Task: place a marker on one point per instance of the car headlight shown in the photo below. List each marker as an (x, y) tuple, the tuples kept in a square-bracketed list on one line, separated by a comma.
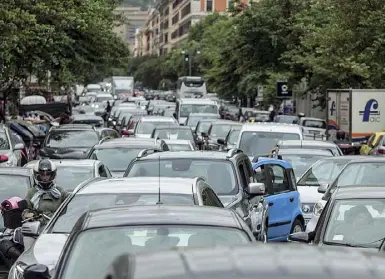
[(318, 207)]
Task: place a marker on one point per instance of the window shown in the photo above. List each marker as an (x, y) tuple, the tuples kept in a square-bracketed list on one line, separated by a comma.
[(243, 175), (102, 171), (371, 139), (186, 10), (214, 198), (175, 19), (209, 5), (279, 179)]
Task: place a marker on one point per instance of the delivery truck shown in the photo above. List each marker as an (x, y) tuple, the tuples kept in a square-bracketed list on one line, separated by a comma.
[(358, 112)]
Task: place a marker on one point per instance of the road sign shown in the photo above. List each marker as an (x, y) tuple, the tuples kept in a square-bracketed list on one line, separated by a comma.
[(283, 90)]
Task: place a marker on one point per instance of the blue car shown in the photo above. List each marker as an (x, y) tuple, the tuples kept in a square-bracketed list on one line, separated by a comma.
[(285, 214)]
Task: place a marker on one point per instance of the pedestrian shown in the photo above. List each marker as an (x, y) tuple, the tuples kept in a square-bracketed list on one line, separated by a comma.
[(2, 112), (240, 115), (272, 114)]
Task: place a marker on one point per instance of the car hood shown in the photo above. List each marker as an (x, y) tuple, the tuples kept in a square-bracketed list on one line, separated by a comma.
[(144, 136), (46, 250), (64, 153), (309, 194)]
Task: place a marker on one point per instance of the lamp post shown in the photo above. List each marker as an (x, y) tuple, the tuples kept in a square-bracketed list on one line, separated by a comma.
[(188, 57)]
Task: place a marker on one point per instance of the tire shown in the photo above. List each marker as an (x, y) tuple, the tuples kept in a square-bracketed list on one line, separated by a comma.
[(297, 226)]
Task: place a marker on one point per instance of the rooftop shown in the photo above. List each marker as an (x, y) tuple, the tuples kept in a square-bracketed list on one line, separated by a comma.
[(306, 143), (272, 127), (15, 171), (302, 151), (162, 214), (360, 192), (66, 163), (198, 155)]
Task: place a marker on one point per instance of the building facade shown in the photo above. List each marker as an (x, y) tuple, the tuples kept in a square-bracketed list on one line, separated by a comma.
[(169, 22)]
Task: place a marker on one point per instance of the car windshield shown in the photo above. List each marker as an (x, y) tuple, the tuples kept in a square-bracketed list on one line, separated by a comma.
[(233, 137), (319, 124), (13, 186), (322, 172), (64, 139), (104, 98), (186, 109), (114, 241), (218, 174), (148, 127), (357, 223), (116, 159), (203, 127), (220, 130), (4, 142), (255, 143), (179, 147), (82, 203), (302, 162), (288, 119), (69, 177), (363, 173), (174, 133)]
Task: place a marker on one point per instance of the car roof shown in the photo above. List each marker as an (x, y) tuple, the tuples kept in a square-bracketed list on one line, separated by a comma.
[(86, 117), (177, 185), (73, 127), (15, 171), (246, 261), (313, 118), (206, 155), (151, 118), (360, 192), (163, 214), (271, 127), (172, 127), (369, 159), (197, 101), (177, 141), (343, 158), (129, 143), (199, 114), (227, 122), (67, 162), (303, 151), (306, 143)]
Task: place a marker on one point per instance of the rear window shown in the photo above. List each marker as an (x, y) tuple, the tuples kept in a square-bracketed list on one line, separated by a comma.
[(64, 139)]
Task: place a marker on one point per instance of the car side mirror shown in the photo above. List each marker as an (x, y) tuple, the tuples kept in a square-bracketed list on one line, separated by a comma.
[(256, 189), (322, 188), (36, 271), (221, 141), (299, 237), (19, 146), (31, 229)]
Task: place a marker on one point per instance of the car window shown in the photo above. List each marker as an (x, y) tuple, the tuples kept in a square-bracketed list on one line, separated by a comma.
[(116, 159), (69, 177), (302, 162), (371, 139), (64, 139), (368, 173), (279, 178), (113, 134), (102, 171), (215, 201), (4, 142)]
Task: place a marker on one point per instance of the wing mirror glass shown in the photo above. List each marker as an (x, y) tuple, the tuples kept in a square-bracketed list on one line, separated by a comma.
[(322, 188), (256, 189)]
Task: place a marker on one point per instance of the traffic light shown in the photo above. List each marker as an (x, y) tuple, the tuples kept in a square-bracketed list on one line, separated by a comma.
[(186, 57)]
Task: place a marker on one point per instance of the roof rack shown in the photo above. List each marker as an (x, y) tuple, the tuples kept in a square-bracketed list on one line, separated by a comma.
[(233, 152), (146, 152)]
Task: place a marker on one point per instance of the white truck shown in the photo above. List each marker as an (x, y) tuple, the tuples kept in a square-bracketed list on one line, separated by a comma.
[(122, 86), (355, 111)]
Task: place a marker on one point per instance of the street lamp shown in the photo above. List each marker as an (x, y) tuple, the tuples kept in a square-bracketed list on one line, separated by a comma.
[(188, 58)]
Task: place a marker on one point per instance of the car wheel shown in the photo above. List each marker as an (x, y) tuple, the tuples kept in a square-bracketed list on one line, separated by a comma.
[(297, 227)]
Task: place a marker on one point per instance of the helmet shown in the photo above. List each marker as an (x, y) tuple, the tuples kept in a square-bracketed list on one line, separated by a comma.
[(340, 135), (11, 210), (10, 204), (44, 173)]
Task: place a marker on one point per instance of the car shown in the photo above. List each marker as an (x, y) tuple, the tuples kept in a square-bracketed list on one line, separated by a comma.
[(173, 133), (94, 120), (108, 133), (180, 145), (286, 119), (353, 217), (117, 154), (71, 173), (230, 175), (230, 141), (70, 141), (202, 128), (147, 124), (238, 261), (314, 183), (101, 193), (311, 144), (282, 197), (11, 155), (313, 128), (193, 119), (135, 228), (258, 138), (374, 145), (301, 159), (219, 130)]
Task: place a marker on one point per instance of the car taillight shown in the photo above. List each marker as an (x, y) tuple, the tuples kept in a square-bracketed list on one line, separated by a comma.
[(380, 151)]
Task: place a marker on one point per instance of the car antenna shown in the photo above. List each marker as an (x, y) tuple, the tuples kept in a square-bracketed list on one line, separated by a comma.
[(159, 201)]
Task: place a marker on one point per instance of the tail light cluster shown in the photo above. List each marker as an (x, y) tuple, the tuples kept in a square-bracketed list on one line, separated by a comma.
[(381, 151)]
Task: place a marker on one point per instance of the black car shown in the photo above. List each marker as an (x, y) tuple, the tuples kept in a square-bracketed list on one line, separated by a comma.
[(230, 141), (219, 130), (71, 141), (135, 228), (246, 262), (230, 175), (353, 217), (117, 154)]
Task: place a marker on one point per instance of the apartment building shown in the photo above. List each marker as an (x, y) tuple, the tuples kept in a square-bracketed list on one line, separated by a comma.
[(136, 19), (169, 22)]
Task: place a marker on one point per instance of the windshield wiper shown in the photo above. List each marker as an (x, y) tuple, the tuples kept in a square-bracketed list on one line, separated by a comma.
[(362, 245)]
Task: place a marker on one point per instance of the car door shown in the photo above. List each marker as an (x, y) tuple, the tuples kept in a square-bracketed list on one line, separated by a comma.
[(281, 201)]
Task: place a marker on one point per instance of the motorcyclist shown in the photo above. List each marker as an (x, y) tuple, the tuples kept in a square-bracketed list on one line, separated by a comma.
[(45, 197)]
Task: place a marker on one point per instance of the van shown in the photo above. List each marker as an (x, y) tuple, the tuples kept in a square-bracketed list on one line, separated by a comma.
[(186, 106)]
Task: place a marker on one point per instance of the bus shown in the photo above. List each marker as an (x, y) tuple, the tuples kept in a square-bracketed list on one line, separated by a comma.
[(191, 87), (122, 87), (186, 106)]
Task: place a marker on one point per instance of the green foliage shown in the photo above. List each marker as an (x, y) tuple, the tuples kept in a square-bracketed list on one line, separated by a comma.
[(72, 39), (314, 44)]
